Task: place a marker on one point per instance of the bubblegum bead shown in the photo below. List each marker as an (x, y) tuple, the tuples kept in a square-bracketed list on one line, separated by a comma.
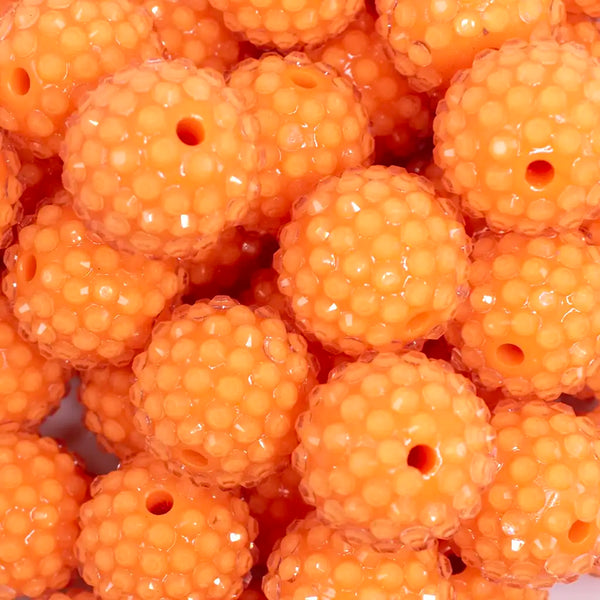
[(539, 522), (532, 318), (516, 137), (218, 391), (11, 189), (161, 159), (372, 260), (104, 391), (53, 53), (395, 448), (431, 41), (315, 561), (147, 533), (79, 299), (284, 24), (312, 125), (41, 489)]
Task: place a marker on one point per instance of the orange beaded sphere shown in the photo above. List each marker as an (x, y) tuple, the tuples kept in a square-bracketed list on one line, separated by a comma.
[(147, 533), (533, 315), (395, 447), (11, 189), (315, 561), (41, 489), (52, 53), (161, 159), (400, 118), (104, 391), (275, 503), (589, 7), (539, 523), (31, 386), (285, 25), (372, 260), (79, 299), (312, 125), (193, 29), (431, 41), (218, 391), (516, 137)]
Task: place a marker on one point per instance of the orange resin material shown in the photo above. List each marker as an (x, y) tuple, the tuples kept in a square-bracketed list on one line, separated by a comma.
[(588, 7), (72, 594), (161, 159), (52, 53), (400, 118), (532, 318), (79, 299), (431, 41), (396, 447), (275, 503), (539, 520), (373, 260), (41, 490), (147, 533), (582, 30), (104, 391), (193, 29), (516, 137), (218, 391), (285, 24), (11, 189), (315, 561), (31, 386), (312, 125)]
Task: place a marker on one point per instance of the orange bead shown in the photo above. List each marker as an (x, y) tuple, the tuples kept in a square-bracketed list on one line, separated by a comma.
[(539, 521), (315, 561), (372, 260), (161, 159), (41, 489), (218, 391), (31, 386), (589, 7), (52, 53), (74, 593), (582, 30), (400, 118), (78, 298), (516, 137), (104, 391), (147, 533), (431, 41), (286, 24), (395, 448), (312, 125), (11, 188), (533, 315)]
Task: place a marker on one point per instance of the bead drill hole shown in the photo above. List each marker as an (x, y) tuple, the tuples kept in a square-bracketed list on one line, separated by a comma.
[(456, 563), (194, 459), (159, 502), (579, 532), (19, 82), (28, 267), (190, 131), (539, 174), (422, 457), (304, 79), (510, 355)]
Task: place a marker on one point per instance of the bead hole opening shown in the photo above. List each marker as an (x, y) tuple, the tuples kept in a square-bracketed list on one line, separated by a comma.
[(190, 131), (28, 267), (456, 563), (579, 532), (194, 459), (159, 502), (304, 79), (19, 82), (510, 355), (539, 174), (422, 458)]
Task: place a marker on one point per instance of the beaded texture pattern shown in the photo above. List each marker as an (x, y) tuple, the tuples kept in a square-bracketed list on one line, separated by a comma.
[(11, 189)]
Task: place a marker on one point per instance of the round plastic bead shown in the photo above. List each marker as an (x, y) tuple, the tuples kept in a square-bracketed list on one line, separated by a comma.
[(431, 41), (395, 447), (312, 125), (539, 523), (104, 391), (218, 391), (515, 136), (373, 260), (533, 315), (79, 299), (147, 533), (52, 53), (161, 159), (41, 489), (314, 560)]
